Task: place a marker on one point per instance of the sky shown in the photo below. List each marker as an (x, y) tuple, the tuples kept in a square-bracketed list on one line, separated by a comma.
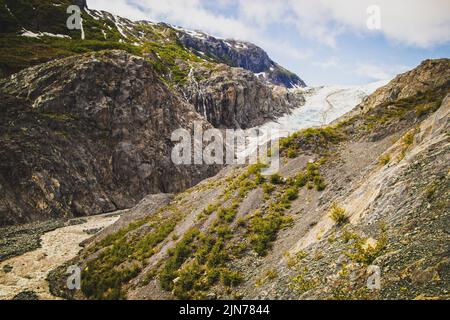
[(325, 42)]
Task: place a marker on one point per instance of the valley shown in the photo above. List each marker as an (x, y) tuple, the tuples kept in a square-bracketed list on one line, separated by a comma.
[(357, 209)]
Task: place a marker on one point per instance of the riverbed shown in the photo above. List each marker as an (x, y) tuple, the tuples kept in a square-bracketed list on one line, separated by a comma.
[(28, 272)]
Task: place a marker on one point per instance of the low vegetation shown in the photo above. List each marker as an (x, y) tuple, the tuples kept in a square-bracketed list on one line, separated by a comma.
[(301, 284), (311, 178), (339, 215), (385, 159), (406, 143), (123, 256), (315, 139)]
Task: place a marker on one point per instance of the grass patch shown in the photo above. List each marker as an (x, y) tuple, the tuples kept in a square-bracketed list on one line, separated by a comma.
[(385, 159), (339, 215), (123, 257), (316, 139), (311, 178)]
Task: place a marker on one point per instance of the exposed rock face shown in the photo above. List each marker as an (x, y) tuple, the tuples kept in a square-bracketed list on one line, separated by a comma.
[(240, 54), (235, 98), (87, 135)]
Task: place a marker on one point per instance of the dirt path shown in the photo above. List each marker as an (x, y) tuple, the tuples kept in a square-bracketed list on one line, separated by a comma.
[(28, 272)]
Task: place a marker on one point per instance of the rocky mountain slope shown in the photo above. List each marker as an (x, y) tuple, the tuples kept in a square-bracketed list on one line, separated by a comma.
[(368, 193), (87, 114), (89, 134)]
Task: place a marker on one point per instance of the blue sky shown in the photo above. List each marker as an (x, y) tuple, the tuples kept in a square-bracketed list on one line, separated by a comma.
[(323, 41)]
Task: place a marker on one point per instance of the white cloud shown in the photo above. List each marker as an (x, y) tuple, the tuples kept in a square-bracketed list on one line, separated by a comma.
[(377, 72), (332, 62)]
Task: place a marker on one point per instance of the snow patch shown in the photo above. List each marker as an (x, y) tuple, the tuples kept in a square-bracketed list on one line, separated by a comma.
[(89, 12), (119, 26), (82, 29), (31, 34)]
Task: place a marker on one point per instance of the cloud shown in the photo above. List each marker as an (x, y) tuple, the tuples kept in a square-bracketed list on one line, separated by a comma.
[(377, 72), (332, 62)]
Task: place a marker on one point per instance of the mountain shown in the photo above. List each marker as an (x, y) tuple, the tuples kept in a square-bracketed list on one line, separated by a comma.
[(368, 193), (86, 115), (239, 54), (47, 19)]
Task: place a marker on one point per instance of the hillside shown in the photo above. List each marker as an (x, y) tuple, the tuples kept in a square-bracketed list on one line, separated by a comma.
[(369, 190), (86, 115)]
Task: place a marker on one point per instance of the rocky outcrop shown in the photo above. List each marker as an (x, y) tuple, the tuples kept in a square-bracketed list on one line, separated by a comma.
[(239, 54), (235, 98), (87, 135), (430, 76)]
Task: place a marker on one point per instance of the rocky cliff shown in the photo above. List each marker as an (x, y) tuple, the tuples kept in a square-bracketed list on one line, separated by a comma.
[(358, 211), (235, 98), (29, 37), (88, 134)]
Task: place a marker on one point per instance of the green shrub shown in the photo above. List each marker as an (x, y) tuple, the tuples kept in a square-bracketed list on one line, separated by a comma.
[(276, 179), (230, 278), (366, 254), (210, 209), (384, 160), (268, 188), (300, 284), (292, 153), (339, 215), (319, 183), (292, 194), (312, 138), (263, 229), (301, 180), (260, 179), (227, 215), (310, 178), (177, 257), (217, 257)]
